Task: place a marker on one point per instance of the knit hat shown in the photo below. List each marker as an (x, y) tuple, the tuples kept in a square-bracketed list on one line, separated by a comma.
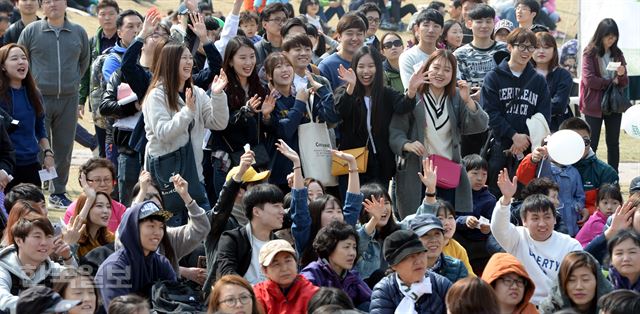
[(401, 244)]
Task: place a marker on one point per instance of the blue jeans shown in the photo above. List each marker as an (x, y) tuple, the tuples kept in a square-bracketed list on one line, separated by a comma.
[(330, 12), (128, 172)]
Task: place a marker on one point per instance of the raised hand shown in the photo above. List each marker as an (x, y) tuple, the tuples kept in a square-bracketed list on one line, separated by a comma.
[(254, 102), (429, 175), (198, 26), (219, 83), (88, 191), (245, 163), (415, 147), (145, 180), (150, 22), (621, 219), (73, 231), (344, 156), (347, 75), (507, 186), (269, 104), (314, 84), (180, 184), (190, 100), (285, 150), (417, 79), (375, 207)]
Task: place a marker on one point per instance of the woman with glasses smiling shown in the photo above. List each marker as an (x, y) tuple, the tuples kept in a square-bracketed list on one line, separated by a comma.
[(511, 284), (233, 294), (98, 174)]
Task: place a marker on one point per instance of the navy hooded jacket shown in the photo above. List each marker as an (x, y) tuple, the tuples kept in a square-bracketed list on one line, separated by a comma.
[(127, 270), (507, 117)]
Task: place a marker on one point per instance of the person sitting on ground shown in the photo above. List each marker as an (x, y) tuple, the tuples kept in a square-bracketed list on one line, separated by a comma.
[(431, 233), (39, 299), (100, 175), (471, 295), (624, 271), (136, 266), (620, 302), (127, 304), (27, 263), (284, 291), (579, 285), (536, 244), (337, 249), (233, 294), (609, 198), (411, 288), (511, 284)]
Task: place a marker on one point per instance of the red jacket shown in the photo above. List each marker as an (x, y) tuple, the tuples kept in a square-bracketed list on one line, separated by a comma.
[(274, 301), (592, 85)]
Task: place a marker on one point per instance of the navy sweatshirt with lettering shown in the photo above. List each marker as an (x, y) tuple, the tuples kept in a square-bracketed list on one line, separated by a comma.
[(510, 100)]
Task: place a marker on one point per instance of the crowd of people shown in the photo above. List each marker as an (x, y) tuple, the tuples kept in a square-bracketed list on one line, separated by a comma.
[(433, 190)]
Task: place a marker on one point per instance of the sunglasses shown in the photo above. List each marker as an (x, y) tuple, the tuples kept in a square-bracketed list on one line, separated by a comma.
[(587, 141), (395, 43)]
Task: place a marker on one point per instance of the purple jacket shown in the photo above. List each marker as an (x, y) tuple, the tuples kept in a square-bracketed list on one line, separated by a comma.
[(322, 275)]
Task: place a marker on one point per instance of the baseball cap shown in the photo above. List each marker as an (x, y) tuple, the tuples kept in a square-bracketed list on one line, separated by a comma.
[(149, 208), (421, 224), (272, 248), (250, 175), (503, 24), (41, 299), (401, 244)]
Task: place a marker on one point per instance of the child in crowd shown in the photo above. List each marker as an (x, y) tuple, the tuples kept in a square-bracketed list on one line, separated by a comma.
[(249, 24), (472, 232), (609, 198)]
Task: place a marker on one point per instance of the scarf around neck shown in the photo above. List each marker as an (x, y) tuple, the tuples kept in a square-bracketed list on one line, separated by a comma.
[(411, 294)]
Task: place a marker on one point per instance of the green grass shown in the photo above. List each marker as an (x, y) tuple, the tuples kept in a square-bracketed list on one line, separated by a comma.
[(629, 147)]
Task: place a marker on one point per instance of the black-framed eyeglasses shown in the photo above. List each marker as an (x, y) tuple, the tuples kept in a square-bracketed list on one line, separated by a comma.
[(524, 48), (395, 43), (243, 299), (520, 283), (373, 20)]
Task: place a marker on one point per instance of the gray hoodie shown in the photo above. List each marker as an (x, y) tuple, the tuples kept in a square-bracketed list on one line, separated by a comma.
[(10, 264), (59, 57)]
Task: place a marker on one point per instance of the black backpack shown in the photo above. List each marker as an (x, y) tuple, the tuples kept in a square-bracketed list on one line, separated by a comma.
[(169, 297)]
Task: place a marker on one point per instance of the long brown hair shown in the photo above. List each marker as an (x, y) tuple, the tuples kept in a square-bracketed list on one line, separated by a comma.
[(19, 210), (214, 298), (166, 74), (103, 233), (450, 89), (573, 261), (28, 82)]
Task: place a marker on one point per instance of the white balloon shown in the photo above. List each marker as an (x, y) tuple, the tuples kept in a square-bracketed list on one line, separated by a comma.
[(631, 121), (565, 147)]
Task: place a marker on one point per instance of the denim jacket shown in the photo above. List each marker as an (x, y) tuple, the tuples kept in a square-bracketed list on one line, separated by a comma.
[(301, 226)]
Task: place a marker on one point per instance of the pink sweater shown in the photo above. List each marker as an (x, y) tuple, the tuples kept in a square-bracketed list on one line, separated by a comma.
[(592, 228), (117, 210)]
